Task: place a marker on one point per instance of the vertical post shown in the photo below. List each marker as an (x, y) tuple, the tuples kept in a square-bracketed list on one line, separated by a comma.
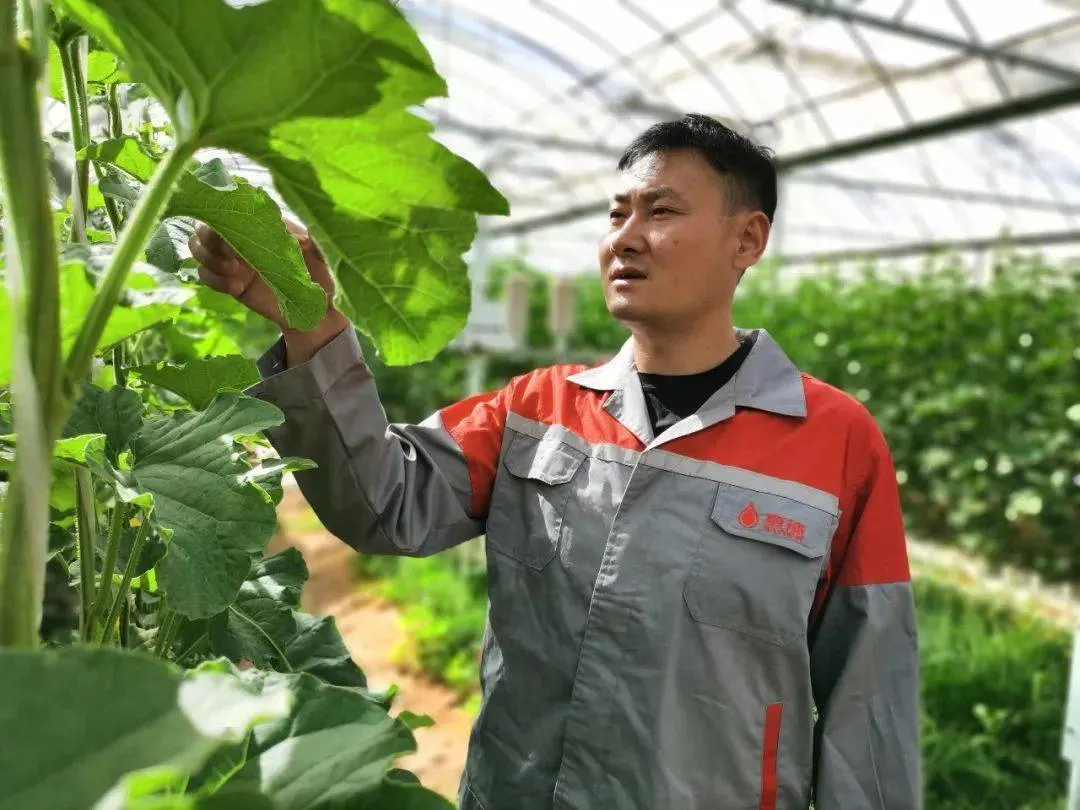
[(1070, 742), (562, 293), (476, 372)]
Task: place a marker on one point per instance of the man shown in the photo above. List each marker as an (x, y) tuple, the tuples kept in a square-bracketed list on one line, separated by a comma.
[(693, 550)]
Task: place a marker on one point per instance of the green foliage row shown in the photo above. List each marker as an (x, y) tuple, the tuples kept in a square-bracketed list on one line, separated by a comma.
[(993, 679), (977, 388), (994, 684)]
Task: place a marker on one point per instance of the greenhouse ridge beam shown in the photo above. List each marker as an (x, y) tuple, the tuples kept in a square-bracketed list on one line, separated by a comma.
[(937, 193), (908, 249), (950, 124), (968, 119), (831, 9)]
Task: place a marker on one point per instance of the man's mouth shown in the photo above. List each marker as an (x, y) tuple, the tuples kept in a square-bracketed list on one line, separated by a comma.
[(626, 273)]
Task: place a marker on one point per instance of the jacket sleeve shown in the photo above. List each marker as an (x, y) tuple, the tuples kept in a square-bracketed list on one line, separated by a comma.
[(864, 653), (382, 488)]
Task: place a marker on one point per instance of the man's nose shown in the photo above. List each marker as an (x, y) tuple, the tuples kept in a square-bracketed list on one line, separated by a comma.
[(629, 238)]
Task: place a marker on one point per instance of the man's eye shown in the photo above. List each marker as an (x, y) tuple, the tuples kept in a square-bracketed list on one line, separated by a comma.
[(616, 215), (663, 210)]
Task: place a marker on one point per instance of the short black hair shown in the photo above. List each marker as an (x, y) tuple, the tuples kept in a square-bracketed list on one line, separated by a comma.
[(745, 165)]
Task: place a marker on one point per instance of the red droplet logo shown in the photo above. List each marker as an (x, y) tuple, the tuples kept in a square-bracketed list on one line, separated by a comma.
[(749, 516)]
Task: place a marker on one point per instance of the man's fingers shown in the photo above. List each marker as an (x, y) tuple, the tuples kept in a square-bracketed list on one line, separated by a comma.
[(212, 242), (228, 284), (225, 265)]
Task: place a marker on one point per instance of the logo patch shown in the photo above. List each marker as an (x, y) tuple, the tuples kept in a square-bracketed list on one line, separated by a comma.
[(780, 525), (748, 517)]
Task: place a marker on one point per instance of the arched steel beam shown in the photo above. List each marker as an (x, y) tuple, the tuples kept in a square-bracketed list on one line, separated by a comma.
[(624, 61), (1041, 239), (938, 127), (421, 15), (580, 84), (947, 125), (824, 8), (691, 58), (933, 192)]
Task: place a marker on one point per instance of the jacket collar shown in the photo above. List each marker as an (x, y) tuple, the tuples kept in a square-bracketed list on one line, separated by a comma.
[(766, 381)]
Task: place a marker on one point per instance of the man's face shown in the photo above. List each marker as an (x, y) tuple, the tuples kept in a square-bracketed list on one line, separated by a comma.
[(672, 254)]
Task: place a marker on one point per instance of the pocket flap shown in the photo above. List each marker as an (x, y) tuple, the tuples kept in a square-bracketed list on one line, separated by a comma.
[(774, 519), (547, 460)]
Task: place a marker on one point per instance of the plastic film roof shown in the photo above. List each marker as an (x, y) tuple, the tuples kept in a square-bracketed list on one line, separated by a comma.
[(897, 124)]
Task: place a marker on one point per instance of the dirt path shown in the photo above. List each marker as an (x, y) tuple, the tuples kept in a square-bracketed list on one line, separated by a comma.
[(371, 628)]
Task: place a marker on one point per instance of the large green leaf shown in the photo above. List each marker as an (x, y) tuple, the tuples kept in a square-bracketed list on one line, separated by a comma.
[(336, 746), (262, 627), (401, 795), (319, 649), (245, 216), (127, 153), (76, 295), (250, 221), (167, 248), (157, 789), (78, 720), (258, 624), (319, 92), (199, 381), (218, 522), (195, 482), (117, 413), (71, 449)]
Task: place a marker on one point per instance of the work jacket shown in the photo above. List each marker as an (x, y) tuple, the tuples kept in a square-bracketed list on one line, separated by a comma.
[(717, 617)]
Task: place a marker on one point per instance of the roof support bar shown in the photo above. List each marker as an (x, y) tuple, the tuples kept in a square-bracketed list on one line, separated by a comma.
[(827, 8), (1023, 106), (947, 125), (933, 192), (1046, 238)]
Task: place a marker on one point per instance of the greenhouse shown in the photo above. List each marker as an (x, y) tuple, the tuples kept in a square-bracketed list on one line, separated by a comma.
[(373, 438)]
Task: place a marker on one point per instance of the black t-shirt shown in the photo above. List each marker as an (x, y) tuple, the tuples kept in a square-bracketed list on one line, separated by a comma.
[(672, 397)]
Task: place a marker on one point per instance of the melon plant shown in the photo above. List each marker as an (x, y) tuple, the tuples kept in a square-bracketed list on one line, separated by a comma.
[(167, 663)]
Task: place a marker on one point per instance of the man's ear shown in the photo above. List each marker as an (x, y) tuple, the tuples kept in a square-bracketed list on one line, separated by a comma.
[(753, 239)]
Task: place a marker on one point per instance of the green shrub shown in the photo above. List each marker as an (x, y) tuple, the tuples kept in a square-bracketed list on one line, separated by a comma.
[(994, 687)]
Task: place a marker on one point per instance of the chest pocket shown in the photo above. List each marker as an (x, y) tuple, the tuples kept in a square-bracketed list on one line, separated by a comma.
[(758, 564), (525, 519)]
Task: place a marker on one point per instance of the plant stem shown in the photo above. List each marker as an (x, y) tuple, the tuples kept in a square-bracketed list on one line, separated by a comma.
[(33, 278), (103, 599), (129, 574), (71, 58), (116, 121), (86, 526), (118, 365), (133, 240), (116, 130), (166, 632), (124, 631)]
